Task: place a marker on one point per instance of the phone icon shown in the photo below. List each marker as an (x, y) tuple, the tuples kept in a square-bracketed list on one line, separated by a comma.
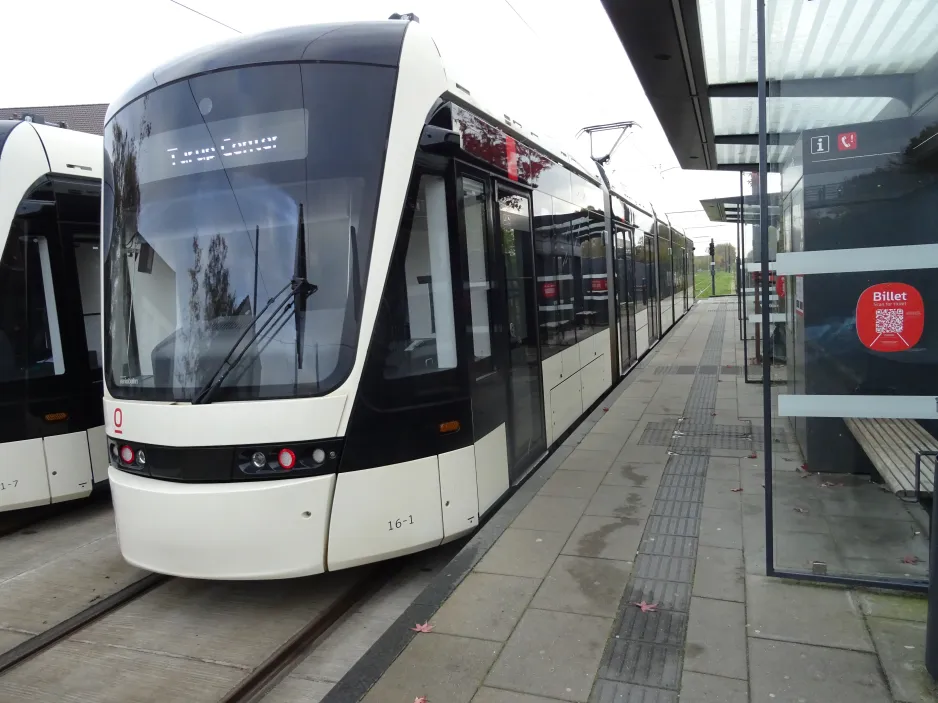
[(847, 141)]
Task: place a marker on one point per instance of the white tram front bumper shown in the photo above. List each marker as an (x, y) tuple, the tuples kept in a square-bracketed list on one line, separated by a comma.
[(228, 531)]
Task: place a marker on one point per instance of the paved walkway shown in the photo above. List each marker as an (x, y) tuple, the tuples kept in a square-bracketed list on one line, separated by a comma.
[(642, 504)]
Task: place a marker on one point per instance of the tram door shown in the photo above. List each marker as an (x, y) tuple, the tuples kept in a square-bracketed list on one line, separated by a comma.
[(505, 369), (651, 276), (625, 299)]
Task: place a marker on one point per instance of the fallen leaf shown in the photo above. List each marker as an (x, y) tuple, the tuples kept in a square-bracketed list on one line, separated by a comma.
[(829, 484), (712, 413), (910, 560), (736, 490), (647, 607), (420, 699), (605, 410), (426, 627), (801, 510), (753, 456), (804, 467)]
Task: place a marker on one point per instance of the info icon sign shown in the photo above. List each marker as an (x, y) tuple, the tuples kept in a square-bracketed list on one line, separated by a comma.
[(890, 317)]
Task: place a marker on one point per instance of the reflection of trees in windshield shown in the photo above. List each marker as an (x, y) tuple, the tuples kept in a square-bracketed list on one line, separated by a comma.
[(217, 301)]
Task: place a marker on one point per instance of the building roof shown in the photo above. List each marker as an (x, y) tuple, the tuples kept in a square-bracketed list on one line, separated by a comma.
[(830, 62), (81, 118)]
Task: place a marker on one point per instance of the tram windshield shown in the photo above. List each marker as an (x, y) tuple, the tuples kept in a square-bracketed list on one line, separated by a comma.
[(216, 188)]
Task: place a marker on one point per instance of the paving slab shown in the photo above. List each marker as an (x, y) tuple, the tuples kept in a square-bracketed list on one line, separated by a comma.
[(718, 493), (716, 638), (704, 688), (298, 690), (583, 585), (585, 459), (622, 501), (896, 607), (789, 672), (94, 673), (797, 612), (900, 645), (523, 553), (244, 622), (552, 654), (572, 484), (486, 606), (604, 441), (35, 600), (497, 695), (9, 639), (720, 574), (721, 528), (440, 667), (551, 513), (605, 537), (629, 473)]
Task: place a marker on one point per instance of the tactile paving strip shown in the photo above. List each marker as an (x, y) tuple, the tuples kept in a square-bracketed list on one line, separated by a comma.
[(644, 657)]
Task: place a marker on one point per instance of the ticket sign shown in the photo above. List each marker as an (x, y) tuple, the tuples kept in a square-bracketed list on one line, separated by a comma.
[(549, 290), (890, 317)]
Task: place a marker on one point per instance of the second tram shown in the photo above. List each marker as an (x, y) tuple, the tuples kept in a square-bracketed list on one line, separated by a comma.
[(346, 308), (52, 441)]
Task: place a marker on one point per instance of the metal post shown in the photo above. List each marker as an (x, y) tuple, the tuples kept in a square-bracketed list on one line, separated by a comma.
[(764, 238), (713, 270), (740, 254)]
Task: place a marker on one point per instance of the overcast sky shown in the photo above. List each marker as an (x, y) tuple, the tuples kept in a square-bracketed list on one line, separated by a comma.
[(553, 66)]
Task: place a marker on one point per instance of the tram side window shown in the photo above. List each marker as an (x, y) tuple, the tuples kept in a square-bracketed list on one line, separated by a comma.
[(422, 333), (553, 263), (473, 209), (29, 346), (88, 260)]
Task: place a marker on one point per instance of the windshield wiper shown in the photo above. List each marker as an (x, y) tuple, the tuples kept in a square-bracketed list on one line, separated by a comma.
[(299, 288)]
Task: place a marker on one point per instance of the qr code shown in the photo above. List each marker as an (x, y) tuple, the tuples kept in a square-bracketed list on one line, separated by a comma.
[(890, 320)]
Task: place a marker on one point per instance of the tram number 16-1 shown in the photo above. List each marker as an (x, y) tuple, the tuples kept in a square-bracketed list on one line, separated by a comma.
[(399, 523)]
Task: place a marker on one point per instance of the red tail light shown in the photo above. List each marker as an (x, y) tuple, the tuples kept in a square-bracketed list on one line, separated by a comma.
[(127, 454), (287, 459)]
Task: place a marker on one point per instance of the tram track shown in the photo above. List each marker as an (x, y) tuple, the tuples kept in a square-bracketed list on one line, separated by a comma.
[(339, 600)]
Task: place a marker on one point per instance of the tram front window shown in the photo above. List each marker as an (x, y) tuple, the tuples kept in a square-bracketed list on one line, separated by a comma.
[(204, 185)]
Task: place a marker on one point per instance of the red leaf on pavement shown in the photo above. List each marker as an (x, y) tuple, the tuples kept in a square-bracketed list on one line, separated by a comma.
[(426, 627), (647, 607), (910, 560), (605, 410), (736, 490), (804, 467), (753, 456), (420, 699)]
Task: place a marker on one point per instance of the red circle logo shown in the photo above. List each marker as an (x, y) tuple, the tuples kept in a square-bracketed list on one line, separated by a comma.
[(890, 317)]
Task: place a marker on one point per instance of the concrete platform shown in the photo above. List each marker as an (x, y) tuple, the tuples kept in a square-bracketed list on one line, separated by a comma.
[(642, 503)]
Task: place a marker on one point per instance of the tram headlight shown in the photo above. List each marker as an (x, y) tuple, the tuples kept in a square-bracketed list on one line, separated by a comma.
[(259, 459), (319, 456), (141, 457)]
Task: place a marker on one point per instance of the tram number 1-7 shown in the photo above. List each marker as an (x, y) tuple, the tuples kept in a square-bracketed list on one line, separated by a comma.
[(399, 523), (9, 484)]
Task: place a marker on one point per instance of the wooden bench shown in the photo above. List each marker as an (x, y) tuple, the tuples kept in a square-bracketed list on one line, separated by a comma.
[(901, 451)]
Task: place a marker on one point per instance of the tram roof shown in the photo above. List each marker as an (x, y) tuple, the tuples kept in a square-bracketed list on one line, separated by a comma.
[(320, 42), (829, 62)]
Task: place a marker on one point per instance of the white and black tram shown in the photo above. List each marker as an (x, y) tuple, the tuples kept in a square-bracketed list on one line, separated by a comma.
[(345, 308), (52, 443)]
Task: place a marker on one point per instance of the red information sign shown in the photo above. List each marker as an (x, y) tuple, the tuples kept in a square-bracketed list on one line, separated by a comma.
[(599, 284), (890, 317), (847, 141), (549, 290), (780, 286)]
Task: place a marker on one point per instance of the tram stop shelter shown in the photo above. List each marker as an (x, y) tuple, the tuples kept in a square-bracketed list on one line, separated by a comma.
[(844, 96)]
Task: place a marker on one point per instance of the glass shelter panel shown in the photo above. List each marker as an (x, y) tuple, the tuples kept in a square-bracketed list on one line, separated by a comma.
[(853, 248)]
